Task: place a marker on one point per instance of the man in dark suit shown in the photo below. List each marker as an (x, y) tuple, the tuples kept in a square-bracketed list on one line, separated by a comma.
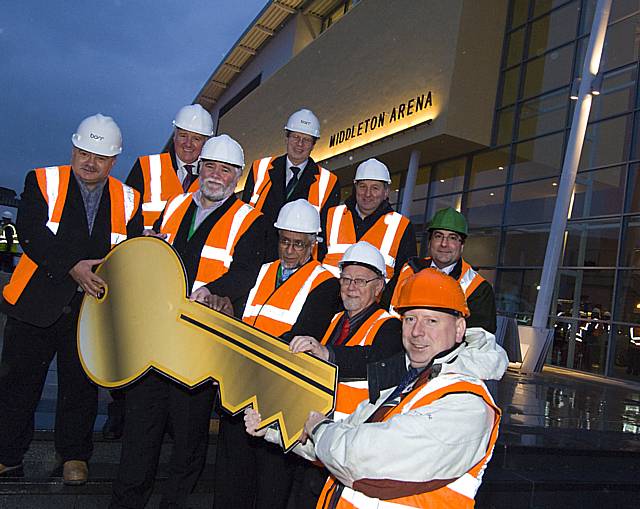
[(69, 218), (274, 181)]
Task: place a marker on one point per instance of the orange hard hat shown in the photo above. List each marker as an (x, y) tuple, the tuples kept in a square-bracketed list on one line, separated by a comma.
[(432, 289)]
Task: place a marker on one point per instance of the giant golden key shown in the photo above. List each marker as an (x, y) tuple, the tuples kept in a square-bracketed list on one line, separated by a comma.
[(144, 320)]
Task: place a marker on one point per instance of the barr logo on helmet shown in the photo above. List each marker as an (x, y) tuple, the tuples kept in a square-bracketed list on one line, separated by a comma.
[(96, 136)]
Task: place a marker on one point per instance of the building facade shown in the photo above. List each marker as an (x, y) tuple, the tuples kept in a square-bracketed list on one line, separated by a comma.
[(478, 93)]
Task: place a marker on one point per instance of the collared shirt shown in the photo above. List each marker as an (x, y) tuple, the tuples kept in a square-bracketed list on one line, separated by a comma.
[(447, 270), (289, 174), (287, 273), (182, 172), (91, 199), (203, 212)]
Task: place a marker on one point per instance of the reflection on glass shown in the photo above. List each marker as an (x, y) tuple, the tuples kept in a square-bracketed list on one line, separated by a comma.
[(515, 46), (606, 142), (511, 79), (532, 202), (489, 168), (525, 246), (598, 193), (504, 131), (591, 244), (621, 45), (481, 247), (617, 94), (517, 292), (550, 71), (633, 191), (448, 176), (631, 243), (626, 361), (484, 208), (519, 12), (628, 297), (544, 114), (553, 29), (541, 157)]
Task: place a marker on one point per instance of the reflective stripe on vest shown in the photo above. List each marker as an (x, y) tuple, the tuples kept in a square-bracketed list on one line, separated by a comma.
[(155, 202), (350, 394), (217, 252), (276, 310), (341, 234), (457, 494), (258, 178), (53, 183)]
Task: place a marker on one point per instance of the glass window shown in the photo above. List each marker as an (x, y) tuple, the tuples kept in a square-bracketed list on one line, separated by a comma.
[(622, 44), (543, 114), (422, 182), (617, 94), (510, 81), (598, 193), (628, 297), (519, 12), (517, 292), (635, 149), (397, 182), (606, 142), (448, 176), (416, 212), (541, 157), (554, 29), (541, 6), (525, 246), (489, 168), (550, 71), (626, 361), (481, 247), (633, 192), (484, 207), (631, 243), (441, 202), (504, 133), (515, 47), (622, 8), (532, 202), (591, 244), (584, 290)]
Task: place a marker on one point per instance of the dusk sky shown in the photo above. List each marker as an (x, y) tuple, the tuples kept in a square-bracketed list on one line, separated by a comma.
[(138, 61)]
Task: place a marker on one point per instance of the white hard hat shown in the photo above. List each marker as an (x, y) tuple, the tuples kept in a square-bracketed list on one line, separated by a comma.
[(298, 216), (99, 135), (363, 253), (223, 148), (372, 169), (194, 118), (304, 121), (7, 215)]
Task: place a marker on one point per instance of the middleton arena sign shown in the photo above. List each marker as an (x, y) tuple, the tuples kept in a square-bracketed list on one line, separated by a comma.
[(382, 119)]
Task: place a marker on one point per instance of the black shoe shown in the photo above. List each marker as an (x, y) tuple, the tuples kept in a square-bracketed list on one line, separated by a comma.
[(113, 427)]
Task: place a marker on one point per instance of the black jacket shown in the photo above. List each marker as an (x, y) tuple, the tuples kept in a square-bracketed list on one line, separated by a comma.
[(276, 197), (51, 288), (247, 256)]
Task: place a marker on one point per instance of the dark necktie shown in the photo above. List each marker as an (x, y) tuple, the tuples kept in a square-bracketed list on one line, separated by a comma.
[(292, 183), (344, 332), (378, 416), (188, 178)]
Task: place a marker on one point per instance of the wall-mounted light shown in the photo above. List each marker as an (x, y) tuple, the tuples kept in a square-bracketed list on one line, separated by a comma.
[(575, 89), (596, 84)]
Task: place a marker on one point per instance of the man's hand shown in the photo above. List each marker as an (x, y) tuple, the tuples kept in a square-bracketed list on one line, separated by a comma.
[(252, 420), (83, 275), (216, 302), (313, 420), (311, 345), (152, 233)]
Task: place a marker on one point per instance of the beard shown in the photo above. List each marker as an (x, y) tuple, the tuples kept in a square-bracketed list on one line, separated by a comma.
[(221, 194)]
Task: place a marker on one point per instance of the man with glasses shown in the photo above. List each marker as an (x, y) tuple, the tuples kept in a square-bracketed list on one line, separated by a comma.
[(274, 181), (448, 231), (293, 295)]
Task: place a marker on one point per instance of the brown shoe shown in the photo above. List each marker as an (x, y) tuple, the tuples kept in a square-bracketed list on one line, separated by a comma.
[(75, 472), (11, 471)]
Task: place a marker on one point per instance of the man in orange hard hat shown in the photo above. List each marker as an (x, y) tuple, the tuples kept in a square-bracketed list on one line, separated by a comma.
[(426, 441)]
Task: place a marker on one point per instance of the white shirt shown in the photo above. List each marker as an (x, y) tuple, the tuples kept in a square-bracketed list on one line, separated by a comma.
[(447, 270), (289, 174), (181, 171)]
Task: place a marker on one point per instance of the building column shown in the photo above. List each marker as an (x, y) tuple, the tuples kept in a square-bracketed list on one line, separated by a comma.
[(410, 182)]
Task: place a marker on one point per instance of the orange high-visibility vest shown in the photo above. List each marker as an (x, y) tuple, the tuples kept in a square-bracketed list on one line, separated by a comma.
[(275, 310), (350, 394), (385, 234), (458, 494), (53, 183), (217, 253), (318, 192), (469, 280), (161, 182)]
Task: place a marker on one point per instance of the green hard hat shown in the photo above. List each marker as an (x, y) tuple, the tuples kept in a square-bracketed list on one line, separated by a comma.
[(449, 219)]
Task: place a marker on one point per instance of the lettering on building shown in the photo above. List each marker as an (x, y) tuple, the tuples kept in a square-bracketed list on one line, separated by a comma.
[(376, 121)]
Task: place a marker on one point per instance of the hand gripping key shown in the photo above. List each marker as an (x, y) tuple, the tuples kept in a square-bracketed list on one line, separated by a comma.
[(144, 320)]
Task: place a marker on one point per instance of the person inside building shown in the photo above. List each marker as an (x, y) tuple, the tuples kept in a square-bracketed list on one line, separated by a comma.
[(159, 177), (448, 232), (274, 181), (69, 218), (427, 441), (219, 239), (367, 215), (8, 242), (361, 334), (292, 296)]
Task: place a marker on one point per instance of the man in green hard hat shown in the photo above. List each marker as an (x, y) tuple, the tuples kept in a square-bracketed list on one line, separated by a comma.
[(448, 231)]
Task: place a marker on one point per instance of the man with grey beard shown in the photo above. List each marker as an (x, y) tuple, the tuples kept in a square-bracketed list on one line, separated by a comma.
[(220, 240)]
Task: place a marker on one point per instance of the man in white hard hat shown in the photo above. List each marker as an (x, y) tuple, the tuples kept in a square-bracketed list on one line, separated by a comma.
[(219, 239), (8, 242), (367, 215), (293, 295), (361, 334), (274, 181), (157, 178), (69, 218)]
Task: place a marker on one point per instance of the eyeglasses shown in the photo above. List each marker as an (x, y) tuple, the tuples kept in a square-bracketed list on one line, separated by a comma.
[(358, 282), (298, 245), (299, 139), (452, 237)]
